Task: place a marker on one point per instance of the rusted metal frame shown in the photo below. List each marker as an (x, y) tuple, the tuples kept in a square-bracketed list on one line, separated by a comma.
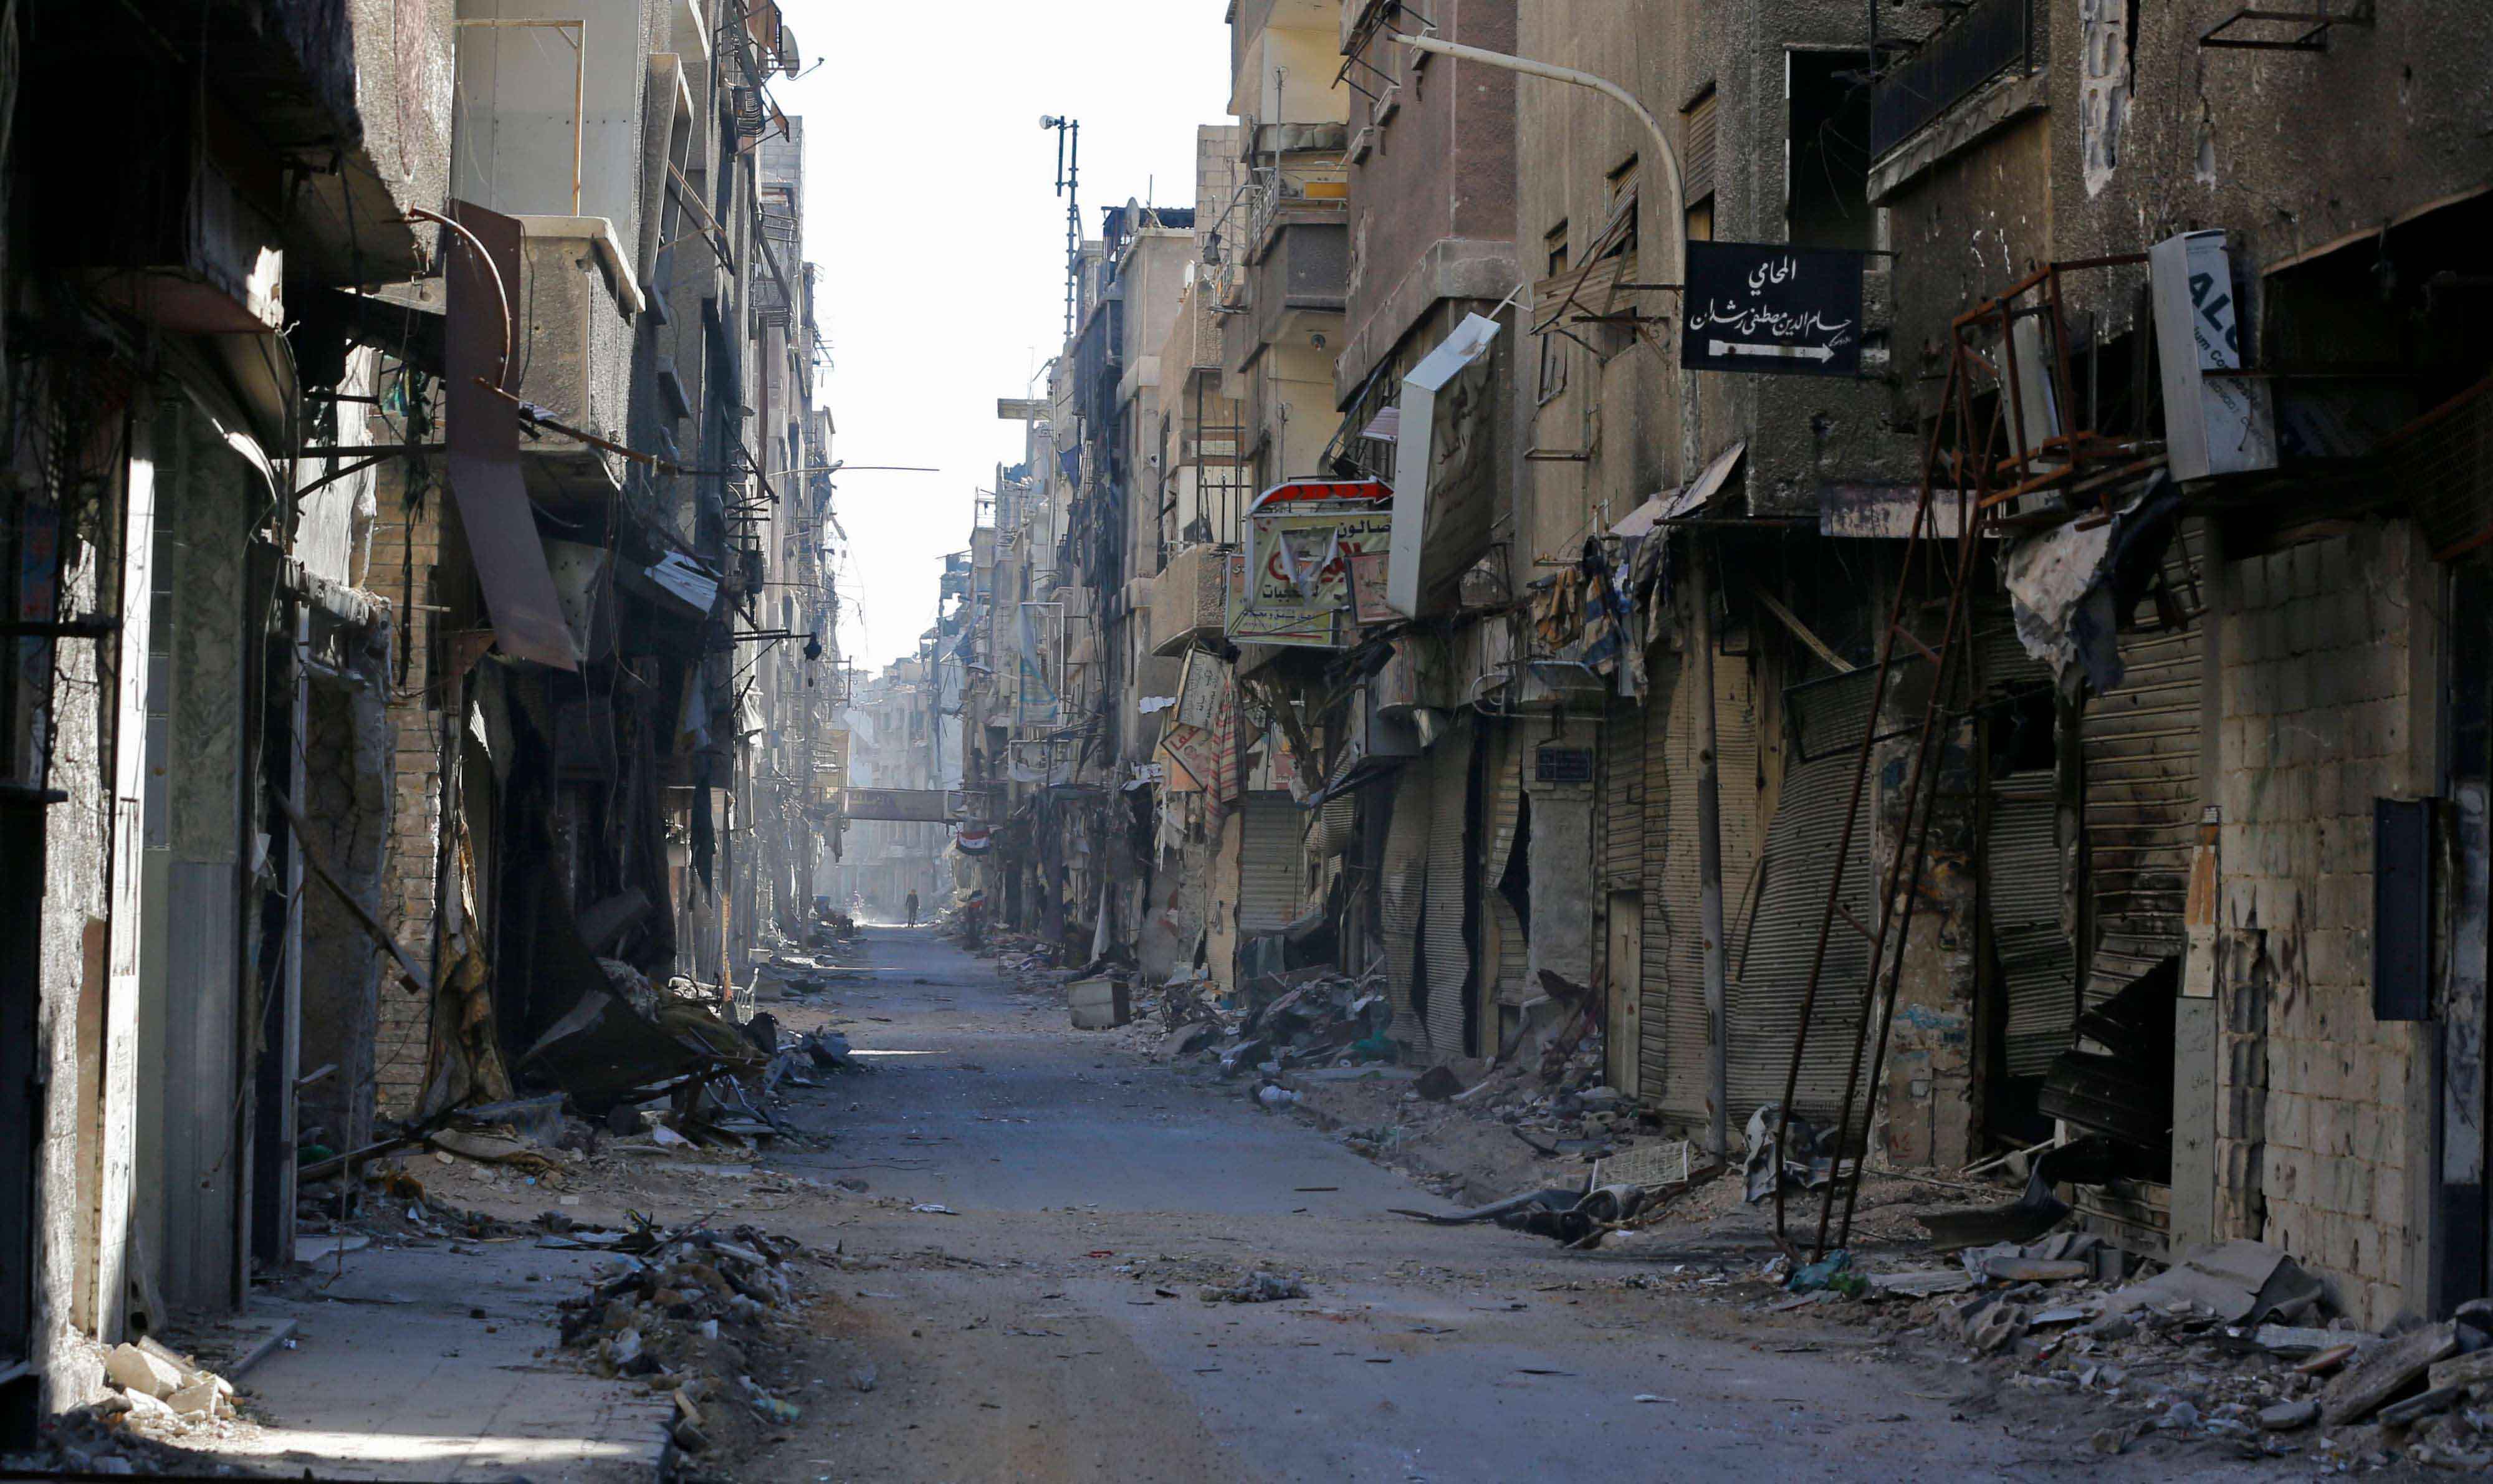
[(2068, 381), (1860, 783), (1915, 834), (1921, 802)]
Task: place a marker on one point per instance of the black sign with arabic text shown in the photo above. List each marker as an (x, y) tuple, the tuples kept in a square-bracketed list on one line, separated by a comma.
[(1764, 307)]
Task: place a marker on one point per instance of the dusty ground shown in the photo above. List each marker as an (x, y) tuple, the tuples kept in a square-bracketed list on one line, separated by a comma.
[(1049, 1322)]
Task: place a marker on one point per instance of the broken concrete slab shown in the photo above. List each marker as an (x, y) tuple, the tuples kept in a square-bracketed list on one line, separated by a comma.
[(2387, 1370), (2239, 1281), (2438, 1399), (2287, 1417), (199, 1400), (2035, 1270), (2469, 1370), (141, 1373), (1921, 1284), (2300, 1339)]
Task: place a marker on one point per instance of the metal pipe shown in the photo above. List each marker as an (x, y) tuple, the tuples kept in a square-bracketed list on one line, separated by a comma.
[(1709, 870), (502, 291)]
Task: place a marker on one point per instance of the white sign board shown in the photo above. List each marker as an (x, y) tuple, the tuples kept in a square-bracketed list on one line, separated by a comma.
[(1420, 449)]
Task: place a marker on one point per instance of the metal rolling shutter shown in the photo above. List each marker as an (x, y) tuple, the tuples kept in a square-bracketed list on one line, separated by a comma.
[(2024, 873), (1336, 818), (2142, 746), (1515, 987), (1269, 868), (1502, 803), (1400, 891), (1620, 808), (1449, 953), (1776, 945), (1502, 799), (2022, 887), (1673, 1060)]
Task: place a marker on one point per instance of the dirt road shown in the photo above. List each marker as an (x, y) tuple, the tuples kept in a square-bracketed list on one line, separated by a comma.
[(1048, 1321)]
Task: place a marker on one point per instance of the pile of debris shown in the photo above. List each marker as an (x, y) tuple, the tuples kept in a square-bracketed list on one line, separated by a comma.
[(115, 1437), (687, 1312), (1301, 1017), (158, 1399), (2231, 1342)]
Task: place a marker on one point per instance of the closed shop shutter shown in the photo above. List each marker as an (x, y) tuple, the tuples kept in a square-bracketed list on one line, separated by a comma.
[(1619, 812), (1336, 817), (1268, 864), (1771, 966), (2024, 873), (1502, 797), (2022, 887), (1505, 951), (1401, 891), (1449, 951), (1513, 984), (2143, 797), (1673, 1064)]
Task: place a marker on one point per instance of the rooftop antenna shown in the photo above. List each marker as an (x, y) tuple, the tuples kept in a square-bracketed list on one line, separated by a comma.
[(1069, 176)]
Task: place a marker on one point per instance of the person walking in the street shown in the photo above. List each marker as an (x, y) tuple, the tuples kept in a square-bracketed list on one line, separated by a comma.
[(913, 906)]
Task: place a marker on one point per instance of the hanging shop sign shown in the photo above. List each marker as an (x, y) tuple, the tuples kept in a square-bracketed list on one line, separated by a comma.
[(1765, 307), (1292, 585)]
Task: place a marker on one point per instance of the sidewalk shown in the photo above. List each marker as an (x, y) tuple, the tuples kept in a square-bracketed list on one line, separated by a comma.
[(442, 1364)]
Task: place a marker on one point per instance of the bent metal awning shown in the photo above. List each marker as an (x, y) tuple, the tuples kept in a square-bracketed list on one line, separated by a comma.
[(481, 266)]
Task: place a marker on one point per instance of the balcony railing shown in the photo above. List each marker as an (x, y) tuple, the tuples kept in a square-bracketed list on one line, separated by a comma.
[(1980, 43)]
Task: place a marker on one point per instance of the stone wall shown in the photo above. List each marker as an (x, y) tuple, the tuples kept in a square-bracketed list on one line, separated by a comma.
[(405, 545), (2319, 1125)]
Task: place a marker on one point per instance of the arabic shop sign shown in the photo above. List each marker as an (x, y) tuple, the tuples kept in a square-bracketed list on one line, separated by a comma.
[(1763, 307), (1293, 585)]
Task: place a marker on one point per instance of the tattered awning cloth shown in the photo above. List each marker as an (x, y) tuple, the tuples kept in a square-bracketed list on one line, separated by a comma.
[(2072, 587)]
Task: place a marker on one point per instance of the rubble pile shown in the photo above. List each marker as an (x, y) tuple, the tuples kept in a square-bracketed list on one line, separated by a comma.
[(2229, 1344), (116, 1437), (158, 1399), (688, 1312)]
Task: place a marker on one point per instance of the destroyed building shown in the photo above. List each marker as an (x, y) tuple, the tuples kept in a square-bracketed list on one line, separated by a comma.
[(1922, 556), (419, 633)]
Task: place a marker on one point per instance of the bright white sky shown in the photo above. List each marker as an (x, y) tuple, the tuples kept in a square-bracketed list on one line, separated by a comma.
[(930, 205)]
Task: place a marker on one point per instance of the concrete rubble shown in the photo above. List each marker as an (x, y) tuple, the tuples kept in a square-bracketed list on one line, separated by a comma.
[(685, 1313)]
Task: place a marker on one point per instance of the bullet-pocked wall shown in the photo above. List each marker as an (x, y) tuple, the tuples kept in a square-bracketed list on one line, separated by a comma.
[(2330, 673)]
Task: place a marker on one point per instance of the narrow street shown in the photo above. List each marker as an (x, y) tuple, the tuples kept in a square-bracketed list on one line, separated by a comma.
[(1053, 1325), (1305, 739)]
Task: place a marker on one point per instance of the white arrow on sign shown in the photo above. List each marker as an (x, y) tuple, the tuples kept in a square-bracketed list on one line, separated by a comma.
[(1786, 352)]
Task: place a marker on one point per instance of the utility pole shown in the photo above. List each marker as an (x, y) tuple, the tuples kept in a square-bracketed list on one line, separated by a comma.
[(1068, 179)]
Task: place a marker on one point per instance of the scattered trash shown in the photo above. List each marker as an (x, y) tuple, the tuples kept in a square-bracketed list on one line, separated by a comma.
[(1258, 1288), (933, 1208)]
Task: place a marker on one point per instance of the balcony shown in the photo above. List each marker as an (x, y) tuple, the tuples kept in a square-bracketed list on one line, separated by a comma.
[(1190, 599), (574, 349), (1978, 43)]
